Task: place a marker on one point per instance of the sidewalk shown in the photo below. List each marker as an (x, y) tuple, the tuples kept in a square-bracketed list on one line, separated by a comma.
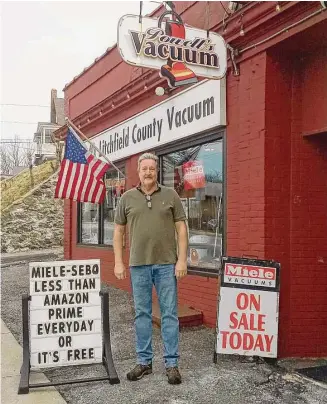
[(31, 255), (11, 361)]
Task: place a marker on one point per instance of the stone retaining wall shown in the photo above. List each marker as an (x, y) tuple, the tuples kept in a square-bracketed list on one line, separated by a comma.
[(34, 223)]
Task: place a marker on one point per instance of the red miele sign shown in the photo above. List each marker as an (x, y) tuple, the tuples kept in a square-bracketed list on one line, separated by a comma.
[(193, 173), (250, 275)]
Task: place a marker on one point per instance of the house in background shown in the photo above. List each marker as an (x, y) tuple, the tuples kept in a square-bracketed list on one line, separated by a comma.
[(45, 145)]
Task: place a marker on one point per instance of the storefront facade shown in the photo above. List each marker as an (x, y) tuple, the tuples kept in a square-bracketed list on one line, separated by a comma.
[(246, 154)]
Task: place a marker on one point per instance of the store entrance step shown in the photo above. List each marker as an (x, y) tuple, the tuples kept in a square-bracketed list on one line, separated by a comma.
[(318, 373), (188, 317)]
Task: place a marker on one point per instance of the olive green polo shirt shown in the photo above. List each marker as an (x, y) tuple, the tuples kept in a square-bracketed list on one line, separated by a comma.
[(151, 230)]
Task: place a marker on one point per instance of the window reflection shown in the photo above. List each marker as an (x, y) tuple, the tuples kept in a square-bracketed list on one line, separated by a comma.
[(97, 221), (90, 223), (115, 187), (196, 175)]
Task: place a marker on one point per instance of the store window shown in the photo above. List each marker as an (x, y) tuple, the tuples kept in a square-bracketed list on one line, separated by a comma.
[(89, 223), (115, 187), (196, 173), (96, 222), (48, 135)]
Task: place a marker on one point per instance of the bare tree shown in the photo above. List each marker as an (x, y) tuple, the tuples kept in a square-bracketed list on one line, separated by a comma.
[(27, 154), (16, 152), (214, 176), (5, 163)]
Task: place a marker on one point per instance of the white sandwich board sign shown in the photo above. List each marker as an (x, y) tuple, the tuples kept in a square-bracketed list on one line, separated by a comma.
[(65, 313)]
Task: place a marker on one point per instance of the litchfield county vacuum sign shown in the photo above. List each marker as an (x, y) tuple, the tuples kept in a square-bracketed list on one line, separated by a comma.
[(65, 313), (181, 53), (248, 308), (195, 109)]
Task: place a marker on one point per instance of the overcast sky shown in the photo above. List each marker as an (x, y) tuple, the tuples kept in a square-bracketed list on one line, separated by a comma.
[(44, 45)]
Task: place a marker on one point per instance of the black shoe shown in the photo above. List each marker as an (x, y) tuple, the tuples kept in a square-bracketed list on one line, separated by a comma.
[(139, 371), (174, 377)]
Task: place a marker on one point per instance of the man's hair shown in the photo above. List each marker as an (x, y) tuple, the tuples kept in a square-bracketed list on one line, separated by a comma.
[(147, 156)]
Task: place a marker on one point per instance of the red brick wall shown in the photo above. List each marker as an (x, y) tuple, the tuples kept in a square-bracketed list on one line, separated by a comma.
[(245, 158), (308, 213), (308, 210), (296, 206), (277, 191), (277, 182), (314, 92), (200, 293)]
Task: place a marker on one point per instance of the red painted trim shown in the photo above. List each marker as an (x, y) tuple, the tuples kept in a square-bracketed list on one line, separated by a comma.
[(283, 36), (316, 132), (71, 229)]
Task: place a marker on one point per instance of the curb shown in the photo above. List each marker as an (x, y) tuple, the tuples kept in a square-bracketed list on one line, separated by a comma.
[(297, 377), (28, 256), (11, 361)]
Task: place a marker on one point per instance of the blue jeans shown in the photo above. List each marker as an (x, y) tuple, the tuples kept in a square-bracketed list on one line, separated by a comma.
[(163, 278)]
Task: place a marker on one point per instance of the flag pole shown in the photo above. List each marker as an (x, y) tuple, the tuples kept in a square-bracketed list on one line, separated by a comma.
[(70, 123)]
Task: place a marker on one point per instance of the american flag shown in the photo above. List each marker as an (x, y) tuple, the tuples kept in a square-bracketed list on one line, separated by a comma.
[(80, 176)]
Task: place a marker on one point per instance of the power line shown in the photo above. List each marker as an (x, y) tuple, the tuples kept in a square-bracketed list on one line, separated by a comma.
[(24, 123), (15, 141), (28, 105), (224, 8)]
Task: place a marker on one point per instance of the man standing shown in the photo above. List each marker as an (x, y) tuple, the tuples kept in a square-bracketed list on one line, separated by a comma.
[(153, 213)]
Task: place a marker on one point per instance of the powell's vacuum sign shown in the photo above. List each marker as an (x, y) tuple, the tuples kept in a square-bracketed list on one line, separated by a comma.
[(248, 308), (181, 53)]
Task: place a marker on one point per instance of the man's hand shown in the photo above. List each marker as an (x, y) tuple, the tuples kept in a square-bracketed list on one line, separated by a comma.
[(182, 239), (120, 270), (180, 269)]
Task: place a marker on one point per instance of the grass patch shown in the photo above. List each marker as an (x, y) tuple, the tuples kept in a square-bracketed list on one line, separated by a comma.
[(13, 189)]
